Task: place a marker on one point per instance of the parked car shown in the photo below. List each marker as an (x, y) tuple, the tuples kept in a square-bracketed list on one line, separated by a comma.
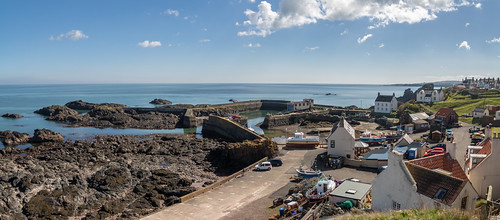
[(440, 145), (276, 162), (434, 151), (264, 166), (449, 132)]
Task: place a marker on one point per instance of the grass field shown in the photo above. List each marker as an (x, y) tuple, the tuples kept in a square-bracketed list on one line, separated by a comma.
[(416, 214), (466, 103)]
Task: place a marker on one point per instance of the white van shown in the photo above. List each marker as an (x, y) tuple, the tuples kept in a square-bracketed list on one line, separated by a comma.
[(264, 166)]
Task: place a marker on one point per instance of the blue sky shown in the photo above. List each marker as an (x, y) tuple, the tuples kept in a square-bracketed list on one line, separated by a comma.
[(274, 41)]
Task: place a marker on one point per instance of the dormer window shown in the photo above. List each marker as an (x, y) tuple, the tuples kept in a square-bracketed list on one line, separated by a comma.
[(440, 194)]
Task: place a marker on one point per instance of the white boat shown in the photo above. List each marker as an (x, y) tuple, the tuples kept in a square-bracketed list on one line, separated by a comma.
[(321, 190), (368, 137), (299, 140)]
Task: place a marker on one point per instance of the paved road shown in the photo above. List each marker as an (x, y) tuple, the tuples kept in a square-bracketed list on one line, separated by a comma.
[(236, 193), (462, 138)]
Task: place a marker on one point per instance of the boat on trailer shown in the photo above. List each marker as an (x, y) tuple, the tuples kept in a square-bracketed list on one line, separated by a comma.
[(320, 190), (370, 138), (301, 141), (308, 173)]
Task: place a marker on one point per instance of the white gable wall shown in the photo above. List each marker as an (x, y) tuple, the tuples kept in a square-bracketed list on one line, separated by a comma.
[(344, 143), (394, 185), (487, 173)]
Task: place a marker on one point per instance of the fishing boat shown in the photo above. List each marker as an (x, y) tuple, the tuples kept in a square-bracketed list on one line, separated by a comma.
[(394, 137), (308, 173), (299, 140), (369, 138), (321, 190)]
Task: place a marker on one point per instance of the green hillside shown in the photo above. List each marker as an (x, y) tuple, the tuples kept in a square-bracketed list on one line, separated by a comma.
[(465, 101)]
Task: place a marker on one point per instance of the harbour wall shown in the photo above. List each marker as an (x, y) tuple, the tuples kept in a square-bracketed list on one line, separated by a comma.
[(224, 128), (295, 118)]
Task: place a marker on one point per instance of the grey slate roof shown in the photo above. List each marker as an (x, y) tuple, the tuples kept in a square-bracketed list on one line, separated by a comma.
[(361, 189), (477, 109), (384, 98), (343, 124)]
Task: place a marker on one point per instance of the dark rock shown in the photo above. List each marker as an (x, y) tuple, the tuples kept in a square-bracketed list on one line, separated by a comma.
[(160, 102), (111, 179), (46, 135), (233, 100), (56, 110), (14, 138), (81, 105), (9, 115)]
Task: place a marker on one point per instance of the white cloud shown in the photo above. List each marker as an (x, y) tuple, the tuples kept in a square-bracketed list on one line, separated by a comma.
[(364, 38), (72, 35), (171, 12), (253, 45), (312, 48), (381, 45), (204, 40), (478, 5), (147, 43), (494, 40), (467, 24), (465, 45), (252, 1), (344, 32), (292, 13)]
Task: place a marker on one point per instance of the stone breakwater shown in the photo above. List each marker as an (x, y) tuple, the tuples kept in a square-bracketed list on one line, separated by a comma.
[(298, 118), (162, 117), (114, 176)]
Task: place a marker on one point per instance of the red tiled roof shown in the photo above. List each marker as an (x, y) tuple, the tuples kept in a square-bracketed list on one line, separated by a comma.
[(429, 180), (443, 162), (444, 112)]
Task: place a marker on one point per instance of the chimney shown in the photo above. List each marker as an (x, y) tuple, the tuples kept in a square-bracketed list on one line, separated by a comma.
[(451, 148), (488, 132), (378, 93), (393, 94)]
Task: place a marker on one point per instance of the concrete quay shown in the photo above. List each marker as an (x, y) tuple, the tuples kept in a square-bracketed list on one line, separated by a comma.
[(236, 193)]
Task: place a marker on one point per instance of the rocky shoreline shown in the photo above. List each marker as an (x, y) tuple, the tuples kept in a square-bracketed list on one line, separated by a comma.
[(108, 115), (116, 177)]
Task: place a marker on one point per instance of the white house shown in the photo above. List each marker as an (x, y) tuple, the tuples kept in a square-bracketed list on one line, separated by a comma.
[(431, 182), (480, 112), (427, 96), (497, 115), (341, 140), (482, 165), (385, 103), (300, 105)]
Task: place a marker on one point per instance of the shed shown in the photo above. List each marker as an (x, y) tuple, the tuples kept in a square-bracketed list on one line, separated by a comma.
[(420, 125), (357, 192), (436, 136)]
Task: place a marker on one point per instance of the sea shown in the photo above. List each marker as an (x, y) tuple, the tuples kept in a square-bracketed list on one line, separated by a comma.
[(25, 99)]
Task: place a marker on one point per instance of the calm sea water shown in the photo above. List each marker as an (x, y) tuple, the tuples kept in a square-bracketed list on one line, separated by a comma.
[(24, 99)]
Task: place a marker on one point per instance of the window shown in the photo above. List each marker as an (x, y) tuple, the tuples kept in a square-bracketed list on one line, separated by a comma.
[(332, 144), (440, 194), (395, 205), (348, 155), (463, 204)]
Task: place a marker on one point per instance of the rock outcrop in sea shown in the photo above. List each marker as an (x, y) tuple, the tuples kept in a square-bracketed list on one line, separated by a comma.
[(160, 102), (10, 115)]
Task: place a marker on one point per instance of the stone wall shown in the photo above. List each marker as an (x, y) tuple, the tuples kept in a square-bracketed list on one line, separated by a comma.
[(295, 118), (224, 128)]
